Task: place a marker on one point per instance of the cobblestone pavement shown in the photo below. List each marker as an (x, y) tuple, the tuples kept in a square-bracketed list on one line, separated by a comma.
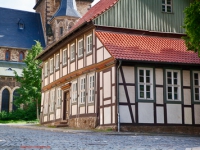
[(13, 138)]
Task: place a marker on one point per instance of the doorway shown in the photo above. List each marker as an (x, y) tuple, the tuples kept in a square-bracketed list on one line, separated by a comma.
[(66, 104)]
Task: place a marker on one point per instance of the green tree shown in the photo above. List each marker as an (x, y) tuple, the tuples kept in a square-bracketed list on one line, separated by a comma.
[(192, 26), (30, 82)]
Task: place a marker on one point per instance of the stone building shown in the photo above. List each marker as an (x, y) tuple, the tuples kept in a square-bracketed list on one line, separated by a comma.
[(18, 30)]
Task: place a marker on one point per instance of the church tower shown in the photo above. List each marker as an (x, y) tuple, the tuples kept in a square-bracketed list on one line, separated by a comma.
[(58, 16)]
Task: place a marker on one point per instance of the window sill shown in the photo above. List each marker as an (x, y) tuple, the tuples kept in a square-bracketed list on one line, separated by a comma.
[(82, 105), (146, 100), (64, 65), (74, 103), (88, 53), (167, 12), (90, 103), (57, 69), (80, 57), (174, 101), (71, 61)]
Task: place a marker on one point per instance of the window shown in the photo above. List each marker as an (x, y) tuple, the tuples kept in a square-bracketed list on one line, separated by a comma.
[(59, 96), (145, 83), (46, 69), (46, 103), (57, 61), (21, 56), (73, 51), (80, 48), (74, 92), (51, 65), (61, 31), (89, 43), (167, 6), (64, 56), (91, 88), (196, 86), (52, 100), (82, 90), (173, 88), (7, 55)]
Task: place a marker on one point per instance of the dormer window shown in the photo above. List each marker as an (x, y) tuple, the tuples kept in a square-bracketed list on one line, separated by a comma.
[(21, 24), (167, 6)]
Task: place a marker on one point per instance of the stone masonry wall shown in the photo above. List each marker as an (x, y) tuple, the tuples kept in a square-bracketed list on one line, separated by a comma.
[(83, 7), (8, 81), (83, 123)]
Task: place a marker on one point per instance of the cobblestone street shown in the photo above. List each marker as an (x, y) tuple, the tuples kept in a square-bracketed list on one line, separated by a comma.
[(13, 138)]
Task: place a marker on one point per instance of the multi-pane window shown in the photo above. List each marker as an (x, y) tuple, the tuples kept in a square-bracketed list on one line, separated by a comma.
[(72, 49), (52, 100), (91, 88), (51, 65), (59, 96), (74, 92), (64, 56), (82, 90), (196, 86), (145, 83), (89, 43), (167, 6), (46, 69), (80, 48), (173, 85), (46, 103), (57, 61)]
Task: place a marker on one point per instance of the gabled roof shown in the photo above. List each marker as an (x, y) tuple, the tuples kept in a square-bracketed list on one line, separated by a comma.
[(10, 33), (147, 48)]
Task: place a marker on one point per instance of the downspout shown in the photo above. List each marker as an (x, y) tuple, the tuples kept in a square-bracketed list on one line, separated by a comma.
[(118, 115)]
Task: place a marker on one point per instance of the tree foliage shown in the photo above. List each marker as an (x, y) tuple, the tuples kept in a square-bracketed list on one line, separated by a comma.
[(30, 82), (192, 26)]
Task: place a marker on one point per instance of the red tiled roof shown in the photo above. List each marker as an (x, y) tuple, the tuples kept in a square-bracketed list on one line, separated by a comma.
[(147, 48)]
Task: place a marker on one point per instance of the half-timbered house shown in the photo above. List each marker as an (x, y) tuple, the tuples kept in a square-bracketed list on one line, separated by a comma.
[(123, 64)]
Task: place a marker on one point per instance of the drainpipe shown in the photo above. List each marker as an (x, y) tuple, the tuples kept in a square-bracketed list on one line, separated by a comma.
[(118, 115)]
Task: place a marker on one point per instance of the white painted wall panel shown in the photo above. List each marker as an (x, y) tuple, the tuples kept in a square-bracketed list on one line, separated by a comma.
[(74, 109), (160, 114), (82, 110), (113, 113), (187, 96), (129, 74), (113, 94), (174, 114), (45, 118), (133, 109), (113, 75), (101, 76), (99, 44), (159, 96), (58, 114), (106, 54), (107, 102), (159, 76), (188, 115), (89, 60), (122, 95), (120, 77), (90, 109), (107, 115), (46, 81), (145, 113), (57, 75), (125, 116), (101, 116), (64, 71), (42, 102), (131, 93), (51, 78), (101, 99), (99, 55), (107, 84), (186, 78), (51, 117), (72, 67), (197, 114), (80, 63)]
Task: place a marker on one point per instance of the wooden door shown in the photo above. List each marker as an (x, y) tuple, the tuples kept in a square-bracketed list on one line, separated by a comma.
[(66, 105)]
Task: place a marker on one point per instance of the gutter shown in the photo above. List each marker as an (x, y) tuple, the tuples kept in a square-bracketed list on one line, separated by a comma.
[(118, 114)]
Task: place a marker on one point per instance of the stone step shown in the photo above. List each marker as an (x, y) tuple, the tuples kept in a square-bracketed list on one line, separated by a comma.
[(61, 125)]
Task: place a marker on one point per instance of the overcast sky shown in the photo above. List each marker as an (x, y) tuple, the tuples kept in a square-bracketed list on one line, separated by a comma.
[(21, 4)]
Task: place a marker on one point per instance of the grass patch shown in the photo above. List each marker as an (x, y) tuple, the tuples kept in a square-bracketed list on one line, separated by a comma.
[(18, 122)]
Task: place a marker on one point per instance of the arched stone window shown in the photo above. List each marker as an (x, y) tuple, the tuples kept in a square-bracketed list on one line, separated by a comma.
[(14, 107), (71, 24), (21, 56), (5, 100), (7, 55)]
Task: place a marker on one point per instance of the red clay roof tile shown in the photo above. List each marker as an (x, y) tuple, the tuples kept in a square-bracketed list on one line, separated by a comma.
[(147, 48)]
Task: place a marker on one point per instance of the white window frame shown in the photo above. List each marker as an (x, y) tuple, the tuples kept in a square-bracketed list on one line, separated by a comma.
[(142, 81), (165, 5), (89, 43), (57, 61), (82, 90), (64, 56), (72, 51), (173, 85), (52, 97), (46, 103), (91, 85), (59, 97), (51, 65), (80, 48), (196, 86), (46, 69), (74, 91)]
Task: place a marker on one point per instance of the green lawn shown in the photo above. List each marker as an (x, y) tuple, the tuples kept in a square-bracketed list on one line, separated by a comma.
[(18, 122)]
